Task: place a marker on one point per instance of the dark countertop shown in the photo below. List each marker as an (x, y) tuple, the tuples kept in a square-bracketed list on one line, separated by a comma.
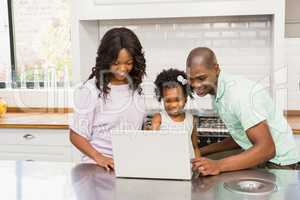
[(67, 181)]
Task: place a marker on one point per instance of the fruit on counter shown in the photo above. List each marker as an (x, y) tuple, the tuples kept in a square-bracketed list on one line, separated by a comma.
[(3, 107)]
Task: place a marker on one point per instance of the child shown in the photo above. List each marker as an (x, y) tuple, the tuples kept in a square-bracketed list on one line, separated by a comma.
[(171, 86), (111, 98)]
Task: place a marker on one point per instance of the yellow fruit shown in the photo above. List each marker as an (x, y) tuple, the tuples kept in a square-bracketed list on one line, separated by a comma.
[(3, 107)]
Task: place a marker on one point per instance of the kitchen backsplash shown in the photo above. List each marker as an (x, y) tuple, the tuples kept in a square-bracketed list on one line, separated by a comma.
[(242, 43)]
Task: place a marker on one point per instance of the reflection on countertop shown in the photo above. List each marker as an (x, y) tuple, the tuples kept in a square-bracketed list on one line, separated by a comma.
[(92, 182), (67, 181)]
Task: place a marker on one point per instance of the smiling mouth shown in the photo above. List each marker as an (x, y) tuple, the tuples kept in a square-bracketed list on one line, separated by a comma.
[(121, 74), (201, 92), (173, 111)]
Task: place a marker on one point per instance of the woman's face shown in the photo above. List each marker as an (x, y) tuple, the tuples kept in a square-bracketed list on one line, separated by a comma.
[(174, 100), (122, 67)]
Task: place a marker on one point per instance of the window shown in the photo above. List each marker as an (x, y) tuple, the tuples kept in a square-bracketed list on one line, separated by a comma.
[(5, 61), (40, 37)]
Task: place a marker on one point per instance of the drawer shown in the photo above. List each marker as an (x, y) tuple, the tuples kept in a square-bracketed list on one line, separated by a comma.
[(297, 139), (49, 137), (35, 153)]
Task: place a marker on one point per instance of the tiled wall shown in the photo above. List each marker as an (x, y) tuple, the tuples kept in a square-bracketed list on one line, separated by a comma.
[(242, 44)]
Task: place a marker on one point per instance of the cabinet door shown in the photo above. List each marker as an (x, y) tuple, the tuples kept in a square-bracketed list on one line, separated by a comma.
[(35, 144), (297, 138), (292, 18), (293, 64), (48, 137), (36, 153)]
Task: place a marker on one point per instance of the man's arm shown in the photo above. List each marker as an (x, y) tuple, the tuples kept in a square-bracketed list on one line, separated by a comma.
[(224, 145), (263, 149)]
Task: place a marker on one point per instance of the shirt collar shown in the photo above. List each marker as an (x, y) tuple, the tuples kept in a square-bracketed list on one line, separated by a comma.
[(220, 86)]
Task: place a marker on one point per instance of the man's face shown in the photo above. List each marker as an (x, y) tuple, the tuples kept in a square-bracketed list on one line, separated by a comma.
[(202, 79)]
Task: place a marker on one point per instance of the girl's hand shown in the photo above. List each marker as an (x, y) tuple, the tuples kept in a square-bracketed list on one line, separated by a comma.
[(106, 162)]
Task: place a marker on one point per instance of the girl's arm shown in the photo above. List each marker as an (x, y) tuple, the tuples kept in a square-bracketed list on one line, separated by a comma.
[(155, 122), (86, 148), (195, 139)]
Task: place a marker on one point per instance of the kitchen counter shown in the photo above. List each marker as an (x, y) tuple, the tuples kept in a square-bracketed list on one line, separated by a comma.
[(294, 122), (67, 181), (35, 120), (60, 120)]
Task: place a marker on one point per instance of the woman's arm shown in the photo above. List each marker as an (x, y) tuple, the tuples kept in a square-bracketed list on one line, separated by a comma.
[(195, 139), (83, 145), (155, 122)]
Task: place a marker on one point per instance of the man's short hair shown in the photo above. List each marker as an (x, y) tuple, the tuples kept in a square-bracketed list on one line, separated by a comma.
[(201, 55)]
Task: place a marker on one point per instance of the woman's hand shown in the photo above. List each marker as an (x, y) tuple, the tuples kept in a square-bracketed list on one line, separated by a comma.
[(106, 162)]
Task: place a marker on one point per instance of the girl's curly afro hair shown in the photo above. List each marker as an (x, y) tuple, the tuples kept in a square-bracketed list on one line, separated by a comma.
[(169, 79)]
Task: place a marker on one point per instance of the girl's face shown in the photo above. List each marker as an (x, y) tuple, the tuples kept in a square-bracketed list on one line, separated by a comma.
[(174, 100), (121, 67)]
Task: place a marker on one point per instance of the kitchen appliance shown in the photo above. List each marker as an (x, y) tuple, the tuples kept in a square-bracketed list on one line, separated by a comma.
[(211, 129)]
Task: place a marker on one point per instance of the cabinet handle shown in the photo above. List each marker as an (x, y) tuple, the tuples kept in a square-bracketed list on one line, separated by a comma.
[(28, 137)]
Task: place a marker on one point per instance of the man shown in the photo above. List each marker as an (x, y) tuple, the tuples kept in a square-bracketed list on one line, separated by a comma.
[(249, 114)]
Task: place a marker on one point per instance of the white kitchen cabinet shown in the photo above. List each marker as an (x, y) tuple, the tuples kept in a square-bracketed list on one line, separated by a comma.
[(297, 138), (36, 144), (293, 64), (292, 19)]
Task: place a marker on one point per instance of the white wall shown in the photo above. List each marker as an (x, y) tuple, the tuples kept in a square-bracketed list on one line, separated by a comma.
[(242, 45)]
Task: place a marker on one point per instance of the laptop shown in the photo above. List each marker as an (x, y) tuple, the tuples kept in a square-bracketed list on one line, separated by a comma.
[(151, 154)]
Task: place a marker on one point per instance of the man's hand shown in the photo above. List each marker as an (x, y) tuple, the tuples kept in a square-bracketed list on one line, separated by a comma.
[(105, 162), (206, 166)]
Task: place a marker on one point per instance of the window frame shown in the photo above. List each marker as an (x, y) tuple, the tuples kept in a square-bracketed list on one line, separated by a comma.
[(11, 42)]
